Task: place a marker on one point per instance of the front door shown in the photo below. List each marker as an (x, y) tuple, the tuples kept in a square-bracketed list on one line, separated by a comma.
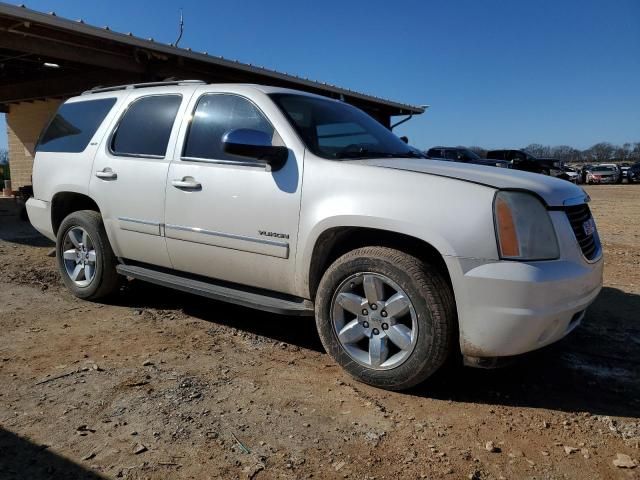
[(229, 217)]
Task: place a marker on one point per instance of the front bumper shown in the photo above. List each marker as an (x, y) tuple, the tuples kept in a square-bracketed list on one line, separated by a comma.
[(603, 179), (39, 213), (507, 308)]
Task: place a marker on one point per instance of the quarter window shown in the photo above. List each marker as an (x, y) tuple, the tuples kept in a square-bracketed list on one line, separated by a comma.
[(215, 115), (74, 125), (145, 127)]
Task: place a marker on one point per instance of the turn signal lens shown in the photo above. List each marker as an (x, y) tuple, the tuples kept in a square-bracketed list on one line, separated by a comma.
[(508, 237)]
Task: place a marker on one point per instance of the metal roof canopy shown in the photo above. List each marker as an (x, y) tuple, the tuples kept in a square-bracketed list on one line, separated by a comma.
[(44, 56)]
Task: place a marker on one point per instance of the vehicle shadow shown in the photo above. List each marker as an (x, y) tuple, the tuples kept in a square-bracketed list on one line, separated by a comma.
[(22, 459), (595, 369), (299, 331)]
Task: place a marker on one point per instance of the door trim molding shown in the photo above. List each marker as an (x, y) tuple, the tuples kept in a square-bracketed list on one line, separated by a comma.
[(140, 226), (228, 240)]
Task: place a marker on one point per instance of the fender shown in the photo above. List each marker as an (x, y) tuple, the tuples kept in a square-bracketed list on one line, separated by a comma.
[(350, 194)]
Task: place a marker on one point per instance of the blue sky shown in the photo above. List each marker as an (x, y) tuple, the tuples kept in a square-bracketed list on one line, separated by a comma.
[(496, 73)]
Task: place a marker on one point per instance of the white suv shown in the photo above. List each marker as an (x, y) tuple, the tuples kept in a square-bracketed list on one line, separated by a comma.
[(294, 203)]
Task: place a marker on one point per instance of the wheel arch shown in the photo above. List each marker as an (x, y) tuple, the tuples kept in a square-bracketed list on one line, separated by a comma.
[(65, 203), (336, 241)]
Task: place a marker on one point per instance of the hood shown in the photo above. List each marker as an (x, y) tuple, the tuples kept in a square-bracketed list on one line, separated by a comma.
[(555, 192)]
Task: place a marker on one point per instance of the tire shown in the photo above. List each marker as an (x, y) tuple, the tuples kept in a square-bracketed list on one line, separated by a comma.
[(431, 313), (102, 279)]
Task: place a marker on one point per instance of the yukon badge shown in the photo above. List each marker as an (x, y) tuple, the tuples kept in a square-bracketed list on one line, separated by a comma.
[(264, 233)]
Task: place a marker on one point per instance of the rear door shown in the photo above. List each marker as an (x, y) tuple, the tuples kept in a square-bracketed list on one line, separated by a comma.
[(130, 171)]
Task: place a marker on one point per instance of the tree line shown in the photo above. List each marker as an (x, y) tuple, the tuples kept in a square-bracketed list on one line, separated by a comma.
[(598, 153)]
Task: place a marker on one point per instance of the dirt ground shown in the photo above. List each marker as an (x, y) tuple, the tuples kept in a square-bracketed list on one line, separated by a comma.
[(165, 385)]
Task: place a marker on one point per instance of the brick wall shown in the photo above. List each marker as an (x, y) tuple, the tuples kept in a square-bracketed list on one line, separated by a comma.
[(25, 121)]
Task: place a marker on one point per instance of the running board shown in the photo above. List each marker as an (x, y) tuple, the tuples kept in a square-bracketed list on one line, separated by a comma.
[(245, 296)]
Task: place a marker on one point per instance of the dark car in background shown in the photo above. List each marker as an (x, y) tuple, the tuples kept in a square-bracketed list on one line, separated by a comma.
[(633, 174), (464, 155), (521, 160), (624, 171)]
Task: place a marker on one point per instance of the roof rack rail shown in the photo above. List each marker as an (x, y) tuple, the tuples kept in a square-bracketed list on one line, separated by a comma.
[(131, 86)]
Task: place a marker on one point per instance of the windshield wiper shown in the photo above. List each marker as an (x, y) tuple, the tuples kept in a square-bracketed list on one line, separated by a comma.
[(361, 153), (364, 153)]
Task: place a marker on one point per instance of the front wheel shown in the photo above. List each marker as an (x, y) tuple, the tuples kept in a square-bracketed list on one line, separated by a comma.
[(85, 258), (386, 317)]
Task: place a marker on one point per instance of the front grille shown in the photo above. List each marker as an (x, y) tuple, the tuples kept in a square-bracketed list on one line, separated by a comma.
[(588, 243)]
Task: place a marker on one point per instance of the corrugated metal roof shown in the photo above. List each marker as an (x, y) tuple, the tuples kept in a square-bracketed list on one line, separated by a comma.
[(52, 20)]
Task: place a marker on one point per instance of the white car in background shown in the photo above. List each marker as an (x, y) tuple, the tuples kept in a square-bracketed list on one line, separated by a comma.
[(298, 204), (572, 175)]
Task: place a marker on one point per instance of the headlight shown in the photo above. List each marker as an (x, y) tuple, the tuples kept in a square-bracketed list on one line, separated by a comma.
[(523, 227)]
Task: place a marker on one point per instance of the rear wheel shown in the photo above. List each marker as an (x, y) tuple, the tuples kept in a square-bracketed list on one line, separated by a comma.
[(385, 316), (85, 259)]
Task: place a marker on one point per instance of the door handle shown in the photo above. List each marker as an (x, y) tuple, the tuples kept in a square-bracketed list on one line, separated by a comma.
[(106, 174), (186, 183)]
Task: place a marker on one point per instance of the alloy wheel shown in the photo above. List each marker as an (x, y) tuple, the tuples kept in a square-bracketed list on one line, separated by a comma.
[(79, 256), (374, 321)]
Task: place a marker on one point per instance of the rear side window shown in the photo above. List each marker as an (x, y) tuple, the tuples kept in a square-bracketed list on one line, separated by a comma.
[(145, 127), (74, 125), (214, 116)]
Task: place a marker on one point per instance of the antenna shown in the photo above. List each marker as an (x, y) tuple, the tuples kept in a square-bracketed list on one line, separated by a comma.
[(181, 29)]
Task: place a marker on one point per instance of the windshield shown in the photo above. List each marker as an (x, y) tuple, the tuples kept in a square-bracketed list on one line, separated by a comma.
[(603, 169), (336, 130)]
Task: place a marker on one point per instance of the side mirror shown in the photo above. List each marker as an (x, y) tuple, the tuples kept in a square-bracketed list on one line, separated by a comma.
[(404, 139), (245, 142)]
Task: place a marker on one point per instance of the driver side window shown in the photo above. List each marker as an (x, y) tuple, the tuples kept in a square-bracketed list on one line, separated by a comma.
[(214, 116)]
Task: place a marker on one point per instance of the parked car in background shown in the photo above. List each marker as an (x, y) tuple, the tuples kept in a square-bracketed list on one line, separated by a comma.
[(602, 174), (521, 160), (584, 172), (464, 155), (617, 168), (633, 174), (572, 174), (624, 170)]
